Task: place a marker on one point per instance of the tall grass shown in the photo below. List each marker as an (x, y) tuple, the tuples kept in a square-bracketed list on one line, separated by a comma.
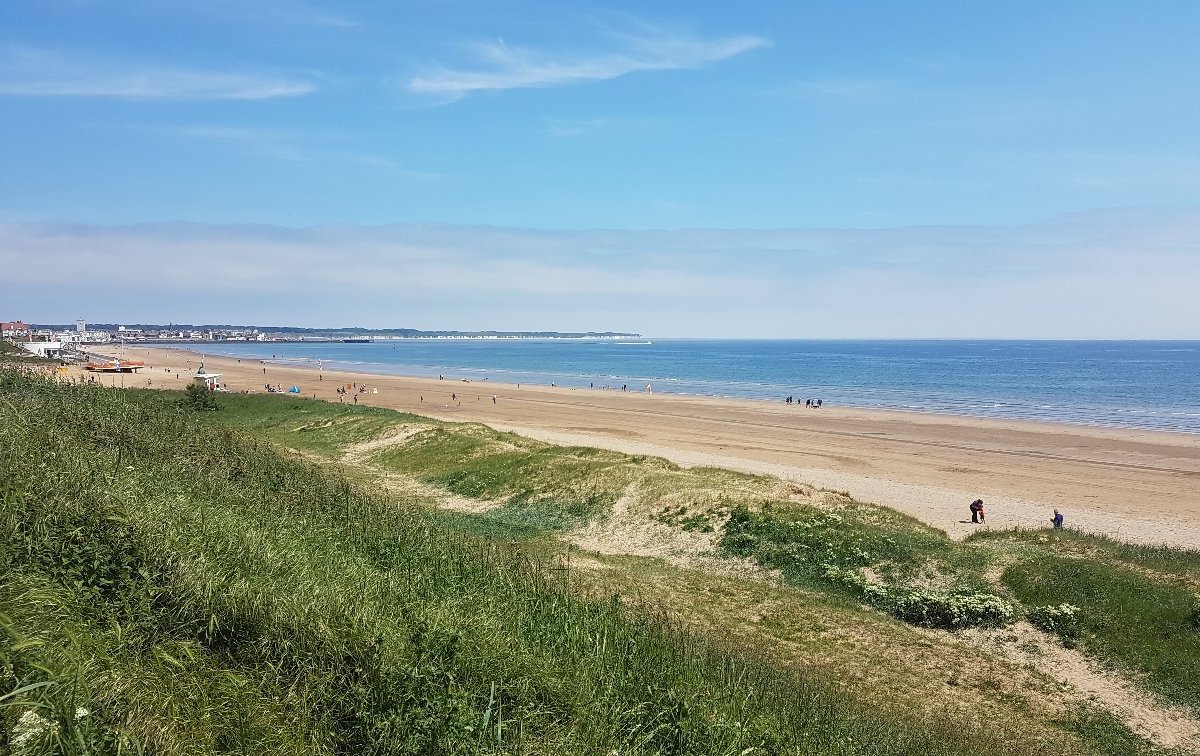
[(175, 588), (828, 543)]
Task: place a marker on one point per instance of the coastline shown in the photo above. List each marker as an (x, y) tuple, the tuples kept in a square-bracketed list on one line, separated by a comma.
[(1138, 485)]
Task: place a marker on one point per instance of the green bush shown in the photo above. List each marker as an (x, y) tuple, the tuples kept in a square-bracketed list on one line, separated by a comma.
[(199, 397), (1061, 620), (953, 609)]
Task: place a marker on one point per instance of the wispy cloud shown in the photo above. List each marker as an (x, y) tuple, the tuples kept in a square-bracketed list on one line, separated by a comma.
[(574, 127), (500, 66), (39, 73), (295, 146), (1046, 280)]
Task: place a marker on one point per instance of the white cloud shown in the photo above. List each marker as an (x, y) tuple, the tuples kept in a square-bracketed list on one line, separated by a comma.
[(500, 66), (1112, 274), (37, 73)]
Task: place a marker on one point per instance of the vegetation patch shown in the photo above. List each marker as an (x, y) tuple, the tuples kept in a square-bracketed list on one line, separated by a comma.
[(833, 549), (325, 428), (171, 587), (421, 630), (1123, 615), (13, 355), (1061, 620), (1106, 734), (687, 520)]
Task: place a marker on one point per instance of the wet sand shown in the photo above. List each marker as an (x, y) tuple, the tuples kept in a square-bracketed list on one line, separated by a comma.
[(1140, 486)]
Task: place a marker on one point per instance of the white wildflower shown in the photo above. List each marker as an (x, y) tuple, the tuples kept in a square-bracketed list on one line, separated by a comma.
[(29, 727)]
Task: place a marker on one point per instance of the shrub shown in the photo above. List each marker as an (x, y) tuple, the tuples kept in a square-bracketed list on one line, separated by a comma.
[(1061, 620), (200, 398), (953, 609)]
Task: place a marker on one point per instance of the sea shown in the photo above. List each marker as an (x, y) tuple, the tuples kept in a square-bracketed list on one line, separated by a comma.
[(1151, 385)]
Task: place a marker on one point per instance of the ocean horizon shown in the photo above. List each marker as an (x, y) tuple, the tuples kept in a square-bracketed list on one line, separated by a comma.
[(1148, 385)]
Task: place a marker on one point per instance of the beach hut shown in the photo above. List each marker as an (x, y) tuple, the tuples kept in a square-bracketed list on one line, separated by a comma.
[(210, 380)]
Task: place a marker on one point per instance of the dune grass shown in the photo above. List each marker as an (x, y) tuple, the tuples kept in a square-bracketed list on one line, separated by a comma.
[(168, 586), (1136, 607), (1135, 602), (300, 423)]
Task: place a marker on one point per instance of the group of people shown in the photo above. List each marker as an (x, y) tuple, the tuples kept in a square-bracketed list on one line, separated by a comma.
[(978, 515), (809, 403)]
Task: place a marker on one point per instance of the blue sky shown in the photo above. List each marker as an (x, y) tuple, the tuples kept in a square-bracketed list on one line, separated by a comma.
[(670, 168)]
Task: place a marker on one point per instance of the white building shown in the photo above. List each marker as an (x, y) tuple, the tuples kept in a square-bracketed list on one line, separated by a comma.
[(14, 330), (43, 348)]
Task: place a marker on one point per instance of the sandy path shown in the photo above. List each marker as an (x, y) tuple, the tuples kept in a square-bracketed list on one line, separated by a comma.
[(1141, 486)]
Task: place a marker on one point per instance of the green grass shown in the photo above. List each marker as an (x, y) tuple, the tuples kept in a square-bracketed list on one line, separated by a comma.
[(886, 559), (823, 543), (12, 354), (1182, 565), (1106, 734), (1125, 616), (313, 426), (474, 461), (196, 592)]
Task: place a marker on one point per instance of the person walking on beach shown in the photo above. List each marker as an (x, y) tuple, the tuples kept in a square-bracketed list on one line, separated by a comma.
[(1057, 520), (977, 511), (493, 398)]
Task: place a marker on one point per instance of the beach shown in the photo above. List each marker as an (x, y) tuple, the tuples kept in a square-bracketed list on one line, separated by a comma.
[(1138, 486)]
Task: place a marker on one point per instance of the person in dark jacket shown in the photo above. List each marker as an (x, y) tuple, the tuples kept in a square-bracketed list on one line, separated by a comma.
[(977, 511)]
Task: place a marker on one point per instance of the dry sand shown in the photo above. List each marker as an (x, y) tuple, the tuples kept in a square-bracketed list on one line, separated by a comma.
[(1140, 486)]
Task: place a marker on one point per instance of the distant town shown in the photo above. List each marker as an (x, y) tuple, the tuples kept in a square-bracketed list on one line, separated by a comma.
[(51, 340)]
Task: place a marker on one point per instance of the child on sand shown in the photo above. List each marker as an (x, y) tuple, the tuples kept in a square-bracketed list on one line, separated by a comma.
[(1057, 520), (977, 511)]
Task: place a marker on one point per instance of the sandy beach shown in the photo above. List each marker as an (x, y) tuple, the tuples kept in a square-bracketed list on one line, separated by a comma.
[(1140, 486)]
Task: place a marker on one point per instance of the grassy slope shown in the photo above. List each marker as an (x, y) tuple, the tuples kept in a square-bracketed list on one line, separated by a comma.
[(1139, 607), (186, 589), (11, 353), (803, 535)]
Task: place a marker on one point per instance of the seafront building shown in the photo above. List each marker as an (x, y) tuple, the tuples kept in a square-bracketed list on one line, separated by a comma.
[(14, 329), (72, 337)]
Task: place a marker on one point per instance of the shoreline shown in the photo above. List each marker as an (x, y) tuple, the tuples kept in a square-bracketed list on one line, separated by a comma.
[(849, 398), (1138, 485)]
